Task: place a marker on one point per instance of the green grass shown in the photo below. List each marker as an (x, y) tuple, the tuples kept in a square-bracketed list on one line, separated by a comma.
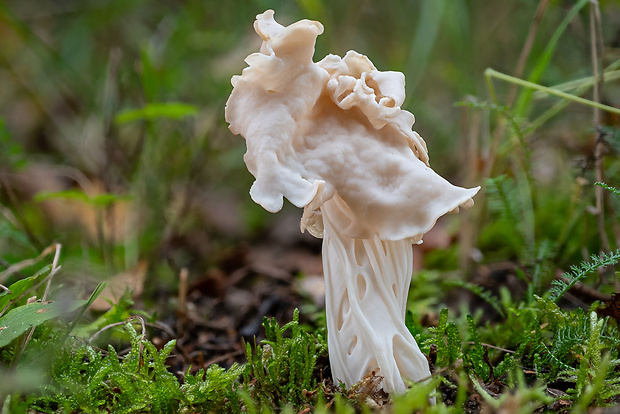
[(577, 350)]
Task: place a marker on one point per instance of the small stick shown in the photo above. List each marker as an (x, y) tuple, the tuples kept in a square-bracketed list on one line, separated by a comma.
[(585, 290), (8, 214), (107, 213), (527, 48), (471, 151), (223, 357), (489, 346), (182, 301), (25, 263), (597, 91), (161, 327), (55, 269), (142, 339)]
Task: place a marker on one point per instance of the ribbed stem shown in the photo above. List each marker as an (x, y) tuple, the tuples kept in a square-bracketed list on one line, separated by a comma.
[(366, 293)]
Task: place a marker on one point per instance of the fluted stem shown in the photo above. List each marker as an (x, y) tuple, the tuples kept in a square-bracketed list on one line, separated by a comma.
[(367, 281)]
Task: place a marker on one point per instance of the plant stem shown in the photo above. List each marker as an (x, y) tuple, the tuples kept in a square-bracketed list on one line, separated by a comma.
[(491, 73), (527, 48), (599, 81)]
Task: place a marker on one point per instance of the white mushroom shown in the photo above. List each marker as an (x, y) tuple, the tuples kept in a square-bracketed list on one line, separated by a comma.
[(332, 138)]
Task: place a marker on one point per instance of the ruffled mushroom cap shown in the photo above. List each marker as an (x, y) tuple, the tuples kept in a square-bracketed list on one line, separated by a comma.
[(315, 131)]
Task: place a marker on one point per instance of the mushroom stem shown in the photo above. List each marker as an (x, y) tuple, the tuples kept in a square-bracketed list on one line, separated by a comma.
[(367, 281)]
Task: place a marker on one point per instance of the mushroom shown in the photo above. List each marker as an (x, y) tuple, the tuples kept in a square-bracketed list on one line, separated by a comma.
[(332, 138)]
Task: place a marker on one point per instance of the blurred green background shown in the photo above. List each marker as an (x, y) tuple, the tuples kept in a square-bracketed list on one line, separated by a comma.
[(113, 140)]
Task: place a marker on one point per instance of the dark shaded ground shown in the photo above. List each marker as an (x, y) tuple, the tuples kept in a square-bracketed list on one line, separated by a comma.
[(225, 307)]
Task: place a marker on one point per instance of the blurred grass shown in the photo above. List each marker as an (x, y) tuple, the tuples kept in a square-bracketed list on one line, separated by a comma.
[(69, 69)]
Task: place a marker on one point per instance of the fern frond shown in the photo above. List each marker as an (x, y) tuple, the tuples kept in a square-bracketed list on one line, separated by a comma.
[(542, 267), (503, 110), (614, 190), (475, 103), (577, 273), (503, 197), (482, 293)]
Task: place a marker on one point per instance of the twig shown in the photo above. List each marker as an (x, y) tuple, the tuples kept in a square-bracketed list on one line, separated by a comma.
[(144, 324), (107, 213), (5, 288), (597, 91), (182, 301), (223, 357), (159, 326), (8, 214), (55, 269), (598, 145), (489, 346), (25, 263), (471, 131), (587, 291), (142, 339)]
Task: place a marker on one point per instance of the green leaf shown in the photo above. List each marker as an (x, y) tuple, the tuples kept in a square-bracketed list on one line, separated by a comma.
[(21, 286), (67, 195), (170, 110), (20, 319), (100, 200), (149, 75), (105, 199)]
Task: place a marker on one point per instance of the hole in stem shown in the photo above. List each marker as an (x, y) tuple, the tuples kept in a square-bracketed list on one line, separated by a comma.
[(352, 346), (360, 252), (345, 307), (361, 286)]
